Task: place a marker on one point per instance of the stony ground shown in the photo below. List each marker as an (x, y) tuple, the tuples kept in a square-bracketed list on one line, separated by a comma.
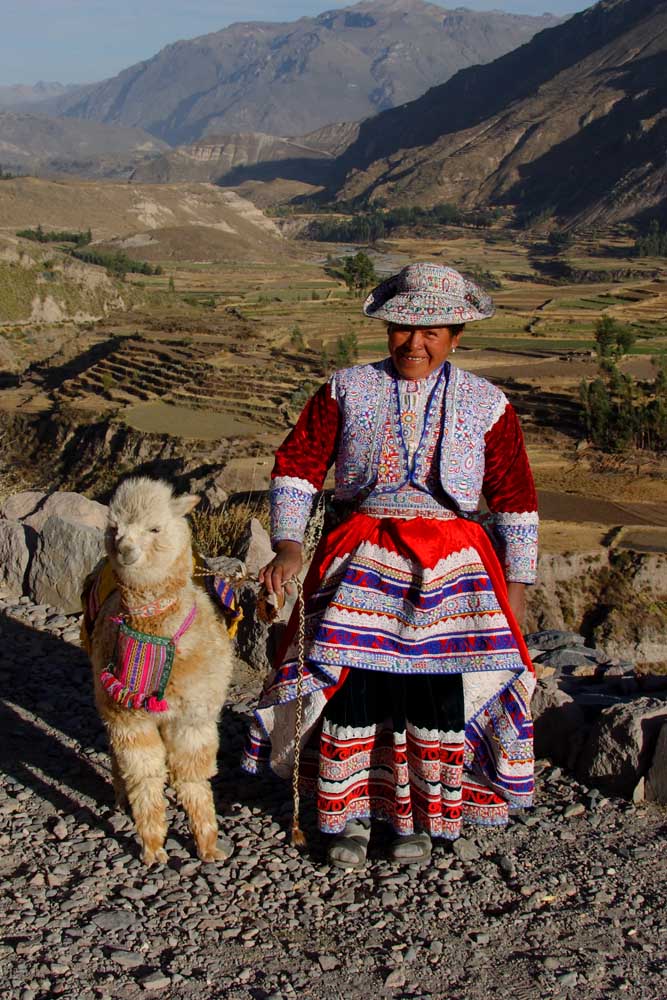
[(569, 901)]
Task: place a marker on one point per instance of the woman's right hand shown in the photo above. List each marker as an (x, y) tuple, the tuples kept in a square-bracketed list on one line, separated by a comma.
[(285, 565)]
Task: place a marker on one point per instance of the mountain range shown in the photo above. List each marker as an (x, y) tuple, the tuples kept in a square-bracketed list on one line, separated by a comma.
[(38, 144), (574, 121), (20, 95), (289, 79)]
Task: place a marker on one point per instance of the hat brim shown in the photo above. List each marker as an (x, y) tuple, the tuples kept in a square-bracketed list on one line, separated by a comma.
[(427, 308)]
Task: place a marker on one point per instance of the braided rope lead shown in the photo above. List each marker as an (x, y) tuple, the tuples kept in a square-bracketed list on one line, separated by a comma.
[(298, 836)]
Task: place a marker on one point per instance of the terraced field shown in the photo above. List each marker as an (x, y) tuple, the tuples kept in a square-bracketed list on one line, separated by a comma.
[(209, 374)]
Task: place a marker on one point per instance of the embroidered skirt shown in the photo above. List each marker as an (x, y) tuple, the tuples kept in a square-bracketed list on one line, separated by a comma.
[(403, 599)]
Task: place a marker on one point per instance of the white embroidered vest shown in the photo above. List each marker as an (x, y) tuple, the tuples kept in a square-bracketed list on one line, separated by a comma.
[(471, 407)]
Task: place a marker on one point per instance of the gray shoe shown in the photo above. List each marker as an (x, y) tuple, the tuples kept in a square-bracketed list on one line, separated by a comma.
[(350, 848), (414, 849)]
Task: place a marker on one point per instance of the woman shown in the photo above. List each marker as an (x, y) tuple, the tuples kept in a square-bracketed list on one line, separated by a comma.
[(417, 681)]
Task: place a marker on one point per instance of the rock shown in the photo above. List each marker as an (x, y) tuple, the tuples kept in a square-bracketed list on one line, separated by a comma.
[(127, 959), (20, 505), (71, 507), (255, 547), (395, 980), (554, 639), (155, 981), (215, 494), (60, 830), (114, 920), (620, 745), (64, 556), (328, 962), (465, 850), (254, 637), (14, 558), (562, 658), (574, 809), (656, 776), (559, 723), (226, 566)]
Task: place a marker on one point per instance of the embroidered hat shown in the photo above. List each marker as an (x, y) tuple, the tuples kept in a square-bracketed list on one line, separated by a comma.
[(428, 294)]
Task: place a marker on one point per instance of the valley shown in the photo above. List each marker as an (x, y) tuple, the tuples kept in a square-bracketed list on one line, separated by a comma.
[(227, 350)]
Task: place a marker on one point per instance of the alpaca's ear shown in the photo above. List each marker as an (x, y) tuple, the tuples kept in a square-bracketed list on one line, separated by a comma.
[(183, 505)]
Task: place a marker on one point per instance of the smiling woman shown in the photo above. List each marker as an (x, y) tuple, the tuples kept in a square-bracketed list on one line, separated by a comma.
[(417, 351), (417, 680)]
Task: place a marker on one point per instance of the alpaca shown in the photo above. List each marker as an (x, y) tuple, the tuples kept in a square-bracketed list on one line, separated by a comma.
[(150, 552)]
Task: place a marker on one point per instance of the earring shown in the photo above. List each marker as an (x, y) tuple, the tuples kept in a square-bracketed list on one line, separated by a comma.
[(453, 350)]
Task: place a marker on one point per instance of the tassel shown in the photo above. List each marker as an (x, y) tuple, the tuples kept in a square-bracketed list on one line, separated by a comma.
[(156, 705), (298, 836)]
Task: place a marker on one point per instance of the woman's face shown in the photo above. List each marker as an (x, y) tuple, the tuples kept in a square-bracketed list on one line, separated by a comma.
[(418, 350)]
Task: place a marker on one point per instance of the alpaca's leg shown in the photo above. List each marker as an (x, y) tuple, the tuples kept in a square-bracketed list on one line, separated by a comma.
[(119, 789), (141, 761), (192, 753)]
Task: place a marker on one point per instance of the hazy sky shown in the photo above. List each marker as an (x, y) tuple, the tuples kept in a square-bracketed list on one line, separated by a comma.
[(75, 41)]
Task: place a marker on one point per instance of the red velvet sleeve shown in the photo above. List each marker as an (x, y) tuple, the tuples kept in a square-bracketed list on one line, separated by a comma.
[(301, 466), (309, 450), (508, 482)]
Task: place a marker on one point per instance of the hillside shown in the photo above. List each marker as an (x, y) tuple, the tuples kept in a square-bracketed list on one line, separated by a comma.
[(527, 128), (188, 221), (37, 144), (287, 79), (229, 157), (41, 285)]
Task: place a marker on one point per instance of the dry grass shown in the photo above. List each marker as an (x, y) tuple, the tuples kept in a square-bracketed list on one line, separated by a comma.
[(219, 532)]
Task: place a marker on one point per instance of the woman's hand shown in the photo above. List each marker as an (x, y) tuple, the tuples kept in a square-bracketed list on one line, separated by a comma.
[(517, 595), (286, 564)]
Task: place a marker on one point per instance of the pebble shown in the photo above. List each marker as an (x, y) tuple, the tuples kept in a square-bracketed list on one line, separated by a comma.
[(114, 920), (155, 981), (328, 962), (87, 919), (465, 850), (127, 959), (395, 980)]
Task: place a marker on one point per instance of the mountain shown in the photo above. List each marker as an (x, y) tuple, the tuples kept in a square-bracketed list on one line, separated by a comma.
[(21, 94), (38, 144), (574, 121), (228, 158), (288, 79)]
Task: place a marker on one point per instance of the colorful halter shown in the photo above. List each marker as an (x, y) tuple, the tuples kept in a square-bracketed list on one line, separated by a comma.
[(138, 674)]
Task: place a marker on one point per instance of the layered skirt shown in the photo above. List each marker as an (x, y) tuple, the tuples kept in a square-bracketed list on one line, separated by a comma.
[(417, 681)]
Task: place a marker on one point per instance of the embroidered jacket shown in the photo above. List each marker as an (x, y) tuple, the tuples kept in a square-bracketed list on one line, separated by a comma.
[(478, 446)]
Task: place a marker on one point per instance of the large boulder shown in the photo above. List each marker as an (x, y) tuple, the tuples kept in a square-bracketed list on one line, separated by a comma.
[(21, 505), (255, 547), (72, 507), (559, 723), (621, 745), (64, 555), (14, 558)]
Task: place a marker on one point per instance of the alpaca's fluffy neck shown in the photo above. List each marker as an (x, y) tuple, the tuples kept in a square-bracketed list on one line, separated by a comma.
[(174, 586)]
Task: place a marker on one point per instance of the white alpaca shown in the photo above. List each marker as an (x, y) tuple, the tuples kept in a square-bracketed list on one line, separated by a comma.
[(149, 548)]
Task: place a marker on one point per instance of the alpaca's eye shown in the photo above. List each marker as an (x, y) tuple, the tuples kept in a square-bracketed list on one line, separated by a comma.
[(155, 531)]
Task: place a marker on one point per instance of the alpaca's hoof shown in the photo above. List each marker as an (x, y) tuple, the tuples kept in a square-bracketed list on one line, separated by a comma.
[(221, 851), (157, 856)]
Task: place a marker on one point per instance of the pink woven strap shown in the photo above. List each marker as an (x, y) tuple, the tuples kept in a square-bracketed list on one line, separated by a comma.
[(185, 626)]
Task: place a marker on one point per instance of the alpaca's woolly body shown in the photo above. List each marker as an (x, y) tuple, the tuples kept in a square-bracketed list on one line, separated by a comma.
[(181, 744)]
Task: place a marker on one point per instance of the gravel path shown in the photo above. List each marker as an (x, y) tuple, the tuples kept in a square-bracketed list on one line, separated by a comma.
[(568, 902)]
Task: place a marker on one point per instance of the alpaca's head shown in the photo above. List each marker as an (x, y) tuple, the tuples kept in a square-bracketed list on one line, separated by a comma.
[(147, 535)]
